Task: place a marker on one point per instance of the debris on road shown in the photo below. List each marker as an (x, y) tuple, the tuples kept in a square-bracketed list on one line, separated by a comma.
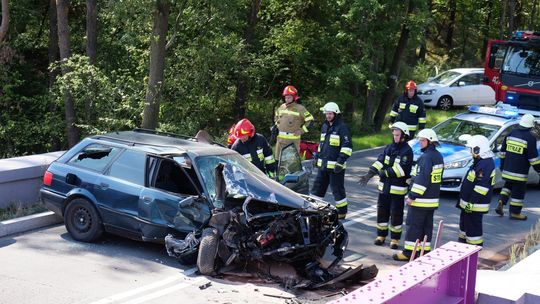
[(206, 285)]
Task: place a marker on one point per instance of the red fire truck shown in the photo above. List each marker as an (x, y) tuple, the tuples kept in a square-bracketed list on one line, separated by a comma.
[(512, 69)]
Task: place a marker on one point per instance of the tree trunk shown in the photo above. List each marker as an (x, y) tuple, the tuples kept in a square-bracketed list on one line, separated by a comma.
[(451, 25), (487, 23), (391, 81), (62, 7), (371, 97), (532, 24), (4, 26), (53, 41), (91, 30), (502, 20), (423, 48), (511, 11), (157, 65), (241, 86)]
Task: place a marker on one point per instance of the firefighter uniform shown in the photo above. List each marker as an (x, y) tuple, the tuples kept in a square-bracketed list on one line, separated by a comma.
[(517, 154), (394, 167), (411, 111), (257, 150), (424, 193), (334, 148), (474, 198), (290, 118)]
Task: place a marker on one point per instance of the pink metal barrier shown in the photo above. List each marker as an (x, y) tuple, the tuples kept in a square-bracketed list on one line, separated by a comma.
[(447, 275)]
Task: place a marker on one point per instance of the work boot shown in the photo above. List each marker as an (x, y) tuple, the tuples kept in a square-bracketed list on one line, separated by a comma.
[(400, 257), (518, 216), (499, 209), (379, 241), (394, 244), (342, 212)]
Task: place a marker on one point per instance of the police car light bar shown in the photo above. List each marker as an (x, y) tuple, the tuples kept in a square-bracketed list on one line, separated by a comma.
[(503, 110)]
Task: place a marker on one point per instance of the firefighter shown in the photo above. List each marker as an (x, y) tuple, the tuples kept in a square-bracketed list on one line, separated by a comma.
[(476, 191), (394, 168), (517, 154), (334, 149), (423, 197), (409, 108), (230, 136), (254, 147), (291, 121)]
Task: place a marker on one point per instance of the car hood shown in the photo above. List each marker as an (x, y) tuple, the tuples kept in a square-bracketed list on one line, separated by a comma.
[(449, 151), (239, 183), (429, 86)]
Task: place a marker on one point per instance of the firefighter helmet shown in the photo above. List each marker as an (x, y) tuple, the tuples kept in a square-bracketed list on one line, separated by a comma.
[(410, 85), (479, 144), (330, 107), (527, 121), (244, 127), (290, 90), (428, 134), (400, 125), (231, 138)]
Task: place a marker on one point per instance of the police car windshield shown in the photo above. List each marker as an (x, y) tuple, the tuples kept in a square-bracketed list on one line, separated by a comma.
[(446, 77), (450, 130)]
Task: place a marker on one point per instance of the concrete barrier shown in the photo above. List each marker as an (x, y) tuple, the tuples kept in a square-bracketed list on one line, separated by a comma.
[(21, 177)]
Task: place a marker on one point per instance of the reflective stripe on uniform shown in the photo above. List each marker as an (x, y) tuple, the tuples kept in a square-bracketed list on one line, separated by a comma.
[(377, 165), (534, 161), (294, 113), (422, 120), (269, 160), (502, 154), (413, 127), (393, 113), (505, 191), (426, 202), (408, 245), (323, 136), (346, 151), (380, 186), (481, 190), (413, 108), (247, 156), (473, 207), (334, 140), (514, 176), (396, 229), (474, 240), (260, 154), (471, 175), (341, 203), (382, 226), (402, 105), (398, 190), (516, 202), (398, 170), (416, 188), (305, 128), (287, 135), (308, 117)]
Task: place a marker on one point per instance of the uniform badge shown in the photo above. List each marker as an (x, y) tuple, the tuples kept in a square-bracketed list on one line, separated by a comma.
[(481, 174), (404, 158)]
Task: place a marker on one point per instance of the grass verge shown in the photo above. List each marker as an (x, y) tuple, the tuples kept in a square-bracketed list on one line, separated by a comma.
[(366, 141), (16, 210)]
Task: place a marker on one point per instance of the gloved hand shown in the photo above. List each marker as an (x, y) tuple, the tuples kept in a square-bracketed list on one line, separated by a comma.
[(274, 131), (338, 168), (364, 179), (271, 174), (383, 173)]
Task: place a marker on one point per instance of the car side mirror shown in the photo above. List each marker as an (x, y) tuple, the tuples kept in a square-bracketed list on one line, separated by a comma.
[(290, 178), (461, 83)]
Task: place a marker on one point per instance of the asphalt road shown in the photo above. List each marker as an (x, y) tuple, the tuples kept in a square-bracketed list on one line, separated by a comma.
[(47, 266)]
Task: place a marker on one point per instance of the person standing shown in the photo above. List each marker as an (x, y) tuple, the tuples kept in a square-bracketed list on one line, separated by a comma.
[(476, 191), (423, 197), (518, 153), (409, 108), (334, 148), (291, 121), (394, 168), (254, 147)]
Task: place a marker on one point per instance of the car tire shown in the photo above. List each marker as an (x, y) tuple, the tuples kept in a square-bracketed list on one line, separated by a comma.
[(83, 221), (206, 259), (445, 103)]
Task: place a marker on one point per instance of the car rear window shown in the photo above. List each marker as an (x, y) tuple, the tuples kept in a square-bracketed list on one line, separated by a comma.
[(94, 157), (130, 167)]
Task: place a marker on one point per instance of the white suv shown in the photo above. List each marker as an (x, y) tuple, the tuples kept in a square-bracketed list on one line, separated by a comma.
[(457, 87)]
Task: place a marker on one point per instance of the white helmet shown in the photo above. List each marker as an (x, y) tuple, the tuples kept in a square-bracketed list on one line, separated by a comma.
[(428, 134), (479, 144), (330, 107), (400, 125), (527, 121)]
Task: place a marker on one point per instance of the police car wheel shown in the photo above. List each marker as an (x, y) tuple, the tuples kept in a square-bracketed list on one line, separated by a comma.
[(445, 103)]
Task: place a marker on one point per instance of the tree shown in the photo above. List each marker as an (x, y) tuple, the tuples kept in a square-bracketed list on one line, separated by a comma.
[(5, 20), (62, 9), (91, 30), (451, 25), (157, 64)]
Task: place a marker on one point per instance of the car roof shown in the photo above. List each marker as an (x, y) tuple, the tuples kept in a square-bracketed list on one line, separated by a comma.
[(486, 119), (467, 70), (162, 143)]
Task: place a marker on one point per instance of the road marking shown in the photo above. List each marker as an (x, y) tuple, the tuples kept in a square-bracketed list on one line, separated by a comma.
[(130, 293), (163, 292), (369, 209)]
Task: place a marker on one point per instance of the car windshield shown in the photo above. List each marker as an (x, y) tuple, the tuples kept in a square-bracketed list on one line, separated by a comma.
[(450, 130), (522, 60), (446, 77), (207, 166)]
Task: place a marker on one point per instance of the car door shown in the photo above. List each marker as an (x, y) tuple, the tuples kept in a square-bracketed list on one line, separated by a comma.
[(290, 170), (485, 93), (465, 90), (119, 189)]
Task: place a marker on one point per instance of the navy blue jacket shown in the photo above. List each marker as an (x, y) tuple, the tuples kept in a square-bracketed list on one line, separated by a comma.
[(518, 152), (410, 111), (427, 178), (335, 145), (257, 151), (477, 187), (396, 161)]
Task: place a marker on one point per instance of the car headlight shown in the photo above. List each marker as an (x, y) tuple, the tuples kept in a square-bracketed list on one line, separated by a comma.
[(429, 92), (457, 164)]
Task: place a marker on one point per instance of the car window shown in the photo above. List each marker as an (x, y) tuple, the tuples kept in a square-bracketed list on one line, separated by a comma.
[(130, 167), (94, 157), (446, 77), (172, 178), (470, 79), (289, 161), (451, 129)]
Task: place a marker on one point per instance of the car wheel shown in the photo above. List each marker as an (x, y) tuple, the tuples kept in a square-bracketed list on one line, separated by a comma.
[(206, 260), (83, 221), (445, 103)]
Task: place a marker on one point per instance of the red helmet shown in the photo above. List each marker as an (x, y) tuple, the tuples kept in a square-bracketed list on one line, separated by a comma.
[(410, 85), (244, 127), (290, 90), (230, 137)]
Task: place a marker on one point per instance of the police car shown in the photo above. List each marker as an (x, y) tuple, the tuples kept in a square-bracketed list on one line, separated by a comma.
[(495, 123)]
